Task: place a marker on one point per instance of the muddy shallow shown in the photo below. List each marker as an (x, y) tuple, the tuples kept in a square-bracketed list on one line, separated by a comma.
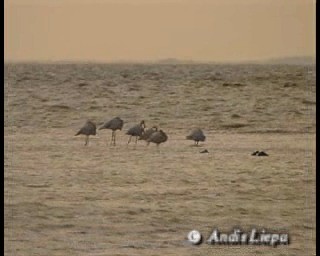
[(62, 198)]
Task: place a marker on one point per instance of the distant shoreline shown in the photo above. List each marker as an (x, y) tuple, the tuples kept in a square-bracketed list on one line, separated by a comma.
[(293, 60)]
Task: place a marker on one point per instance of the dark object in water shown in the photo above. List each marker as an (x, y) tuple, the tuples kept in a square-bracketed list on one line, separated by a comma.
[(88, 129), (262, 153), (255, 153), (114, 124), (259, 153), (204, 151)]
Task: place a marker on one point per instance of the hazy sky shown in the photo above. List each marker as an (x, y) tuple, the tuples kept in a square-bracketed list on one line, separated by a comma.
[(112, 30)]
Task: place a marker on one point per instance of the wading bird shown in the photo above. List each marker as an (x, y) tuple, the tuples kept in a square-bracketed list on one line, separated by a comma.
[(136, 131), (88, 129), (196, 135), (158, 137), (145, 136), (114, 124)]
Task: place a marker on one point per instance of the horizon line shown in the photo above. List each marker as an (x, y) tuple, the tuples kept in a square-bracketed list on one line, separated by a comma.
[(169, 60)]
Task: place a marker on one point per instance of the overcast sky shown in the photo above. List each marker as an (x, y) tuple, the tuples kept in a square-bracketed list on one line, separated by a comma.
[(137, 30)]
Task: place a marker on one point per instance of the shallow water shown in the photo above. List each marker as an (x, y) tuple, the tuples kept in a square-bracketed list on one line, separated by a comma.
[(243, 98), (62, 198)]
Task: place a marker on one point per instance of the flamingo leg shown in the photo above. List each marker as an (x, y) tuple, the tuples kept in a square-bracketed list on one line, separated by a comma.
[(87, 140), (129, 139), (111, 138)]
